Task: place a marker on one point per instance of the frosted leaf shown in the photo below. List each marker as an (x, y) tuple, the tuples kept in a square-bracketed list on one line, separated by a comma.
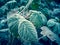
[(13, 22), (55, 25), (38, 19), (51, 22), (56, 28), (27, 31)]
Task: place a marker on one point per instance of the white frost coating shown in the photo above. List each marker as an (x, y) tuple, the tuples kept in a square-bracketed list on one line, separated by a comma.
[(27, 31)]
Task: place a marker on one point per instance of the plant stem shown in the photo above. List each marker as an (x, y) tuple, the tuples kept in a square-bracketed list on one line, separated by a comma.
[(26, 7)]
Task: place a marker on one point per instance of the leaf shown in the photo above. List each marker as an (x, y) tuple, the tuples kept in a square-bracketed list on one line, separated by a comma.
[(55, 25), (4, 34), (21, 27), (37, 18), (11, 5), (27, 31), (56, 28), (52, 36), (51, 22), (13, 22)]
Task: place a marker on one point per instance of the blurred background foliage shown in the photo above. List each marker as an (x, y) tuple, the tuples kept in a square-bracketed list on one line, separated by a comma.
[(49, 8)]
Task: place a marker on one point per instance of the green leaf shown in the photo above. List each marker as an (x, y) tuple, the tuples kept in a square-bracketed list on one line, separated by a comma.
[(27, 31), (23, 28), (55, 25), (13, 22), (56, 28), (51, 22), (38, 19)]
